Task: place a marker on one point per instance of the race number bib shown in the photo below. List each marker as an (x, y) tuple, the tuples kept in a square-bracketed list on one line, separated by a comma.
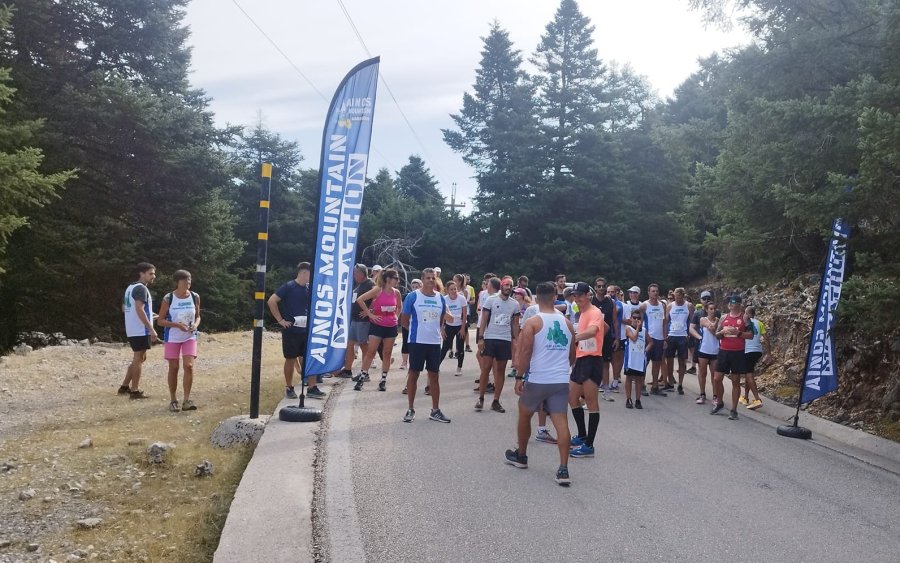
[(431, 316), (677, 326), (389, 308), (501, 319), (355, 297), (300, 321), (589, 345)]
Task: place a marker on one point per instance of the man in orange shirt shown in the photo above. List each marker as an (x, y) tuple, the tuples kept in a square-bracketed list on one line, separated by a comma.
[(587, 373)]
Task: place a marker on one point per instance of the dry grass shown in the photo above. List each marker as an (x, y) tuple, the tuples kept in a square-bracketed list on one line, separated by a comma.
[(149, 513), (886, 428)]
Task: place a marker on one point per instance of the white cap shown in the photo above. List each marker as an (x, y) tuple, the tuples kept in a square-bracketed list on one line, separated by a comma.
[(634, 289), (437, 268), (416, 280), (377, 268)]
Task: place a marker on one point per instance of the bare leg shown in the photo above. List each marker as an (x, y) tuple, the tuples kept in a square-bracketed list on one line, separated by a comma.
[(412, 379), (173, 378), (434, 389), (702, 367), (629, 381), (751, 386), (133, 373), (563, 436), (370, 352), (499, 377), (735, 390), (523, 429), (289, 366), (188, 362)]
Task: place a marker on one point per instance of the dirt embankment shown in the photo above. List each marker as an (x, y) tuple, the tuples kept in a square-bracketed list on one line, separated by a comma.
[(868, 396)]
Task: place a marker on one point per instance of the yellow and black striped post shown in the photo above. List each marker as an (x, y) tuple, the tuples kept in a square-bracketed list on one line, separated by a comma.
[(259, 308)]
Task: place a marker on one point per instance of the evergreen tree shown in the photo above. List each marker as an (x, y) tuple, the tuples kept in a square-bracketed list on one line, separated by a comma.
[(415, 182)]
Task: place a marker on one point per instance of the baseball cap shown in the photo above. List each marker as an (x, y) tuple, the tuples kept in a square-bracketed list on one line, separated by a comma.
[(377, 268), (581, 287), (734, 299), (705, 294), (416, 280), (634, 289), (520, 291)]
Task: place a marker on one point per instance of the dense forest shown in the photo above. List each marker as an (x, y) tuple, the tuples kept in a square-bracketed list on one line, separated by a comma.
[(109, 156)]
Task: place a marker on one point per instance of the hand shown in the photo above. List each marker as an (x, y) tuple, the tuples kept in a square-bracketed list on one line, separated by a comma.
[(154, 337), (520, 385), (284, 323), (182, 326), (375, 318), (616, 344), (363, 315)]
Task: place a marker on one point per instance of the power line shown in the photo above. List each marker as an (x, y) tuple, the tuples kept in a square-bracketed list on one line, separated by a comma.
[(386, 86)]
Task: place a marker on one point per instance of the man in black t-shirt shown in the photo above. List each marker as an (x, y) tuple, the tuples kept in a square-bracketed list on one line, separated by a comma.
[(610, 343), (359, 323)]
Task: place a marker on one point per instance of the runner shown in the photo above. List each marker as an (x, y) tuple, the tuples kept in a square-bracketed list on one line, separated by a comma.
[(542, 434), (523, 298), (707, 350), (137, 308), (473, 313), (522, 283), (414, 284), (636, 347), (656, 321), (290, 307), (457, 304), (488, 289), (608, 307), (499, 328), (359, 323), (587, 373), (179, 314), (463, 334), (560, 302), (732, 332), (385, 303), (546, 354), (699, 313), (424, 315), (679, 313), (618, 356), (753, 351)]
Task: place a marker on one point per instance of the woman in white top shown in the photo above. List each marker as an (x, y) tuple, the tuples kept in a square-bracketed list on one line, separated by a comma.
[(458, 306), (179, 314), (708, 349)]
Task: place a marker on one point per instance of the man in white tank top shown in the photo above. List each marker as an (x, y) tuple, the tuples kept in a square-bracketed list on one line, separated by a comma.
[(137, 307), (546, 354)]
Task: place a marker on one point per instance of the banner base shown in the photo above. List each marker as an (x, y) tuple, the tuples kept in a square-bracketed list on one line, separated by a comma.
[(299, 414), (794, 431)]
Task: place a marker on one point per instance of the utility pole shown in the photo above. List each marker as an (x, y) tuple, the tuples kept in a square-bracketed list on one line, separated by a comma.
[(453, 205)]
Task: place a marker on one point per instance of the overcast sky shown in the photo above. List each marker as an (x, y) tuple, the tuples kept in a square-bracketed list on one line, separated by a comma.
[(429, 52)]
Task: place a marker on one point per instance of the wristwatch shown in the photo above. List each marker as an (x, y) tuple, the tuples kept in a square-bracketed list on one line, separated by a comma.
[(519, 378)]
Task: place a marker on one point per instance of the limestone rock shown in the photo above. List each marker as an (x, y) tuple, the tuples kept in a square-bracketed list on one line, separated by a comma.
[(26, 494), (32, 547), (239, 430), (89, 523), (158, 452), (86, 443), (23, 350), (204, 469), (5, 543)]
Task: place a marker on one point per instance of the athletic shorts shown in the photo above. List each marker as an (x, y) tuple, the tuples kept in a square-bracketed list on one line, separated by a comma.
[(553, 397), (750, 359), (382, 332), (172, 350), (678, 346), (634, 373), (139, 343), (656, 352), (731, 362), (607, 351), (500, 350), (705, 356), (359, 331), (293, 344), (587, 368), (424, 357)]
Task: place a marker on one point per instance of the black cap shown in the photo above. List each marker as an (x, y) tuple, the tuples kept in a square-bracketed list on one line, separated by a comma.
[(581, 287), (734, 298)]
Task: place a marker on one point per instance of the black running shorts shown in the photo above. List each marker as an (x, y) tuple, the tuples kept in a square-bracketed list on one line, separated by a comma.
[(500, 350), (425, 357), (139, 343), (731, 362), (587, 368), (293, 344)]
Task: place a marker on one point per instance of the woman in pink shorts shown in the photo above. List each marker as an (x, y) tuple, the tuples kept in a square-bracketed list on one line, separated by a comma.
[(179, 314)]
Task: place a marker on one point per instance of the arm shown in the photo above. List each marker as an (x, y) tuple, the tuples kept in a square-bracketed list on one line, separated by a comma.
[(273, 302), (692, 330), (139, 309), (631, 333), (514, 323), (526, 347), (197, 313), (572, 344), (163, 313), (666, 323), (589, 332), (364, 310)]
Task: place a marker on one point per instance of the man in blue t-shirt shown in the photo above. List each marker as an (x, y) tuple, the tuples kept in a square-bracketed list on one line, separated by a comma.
[(290, 307)]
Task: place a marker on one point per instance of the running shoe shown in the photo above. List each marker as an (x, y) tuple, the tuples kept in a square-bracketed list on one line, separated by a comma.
[(123, 390), (173, 406), (680, 390), (496, 407), (614, 386), (701, 400), (644, 392), (668, 387), (692, 370), (628, 404), (450, 355), (743, 400), (405, 391), (409, 416), (562, 476), (658, 393), (427, 390), (137, 395), (404, 366), (512, 373), (717, 408), (583, 450), (754, 405), (316, 393), (480, 404), (359, 384), (638, 405), (438, 416), (289, 393), (458, 372), (545, 436), (607, 397), (732, 415), (577, 441), (513, 458), (489, 388), (382, 385), (328, 375), (468, 348), (188, 405), (366, 377), (345, 374)]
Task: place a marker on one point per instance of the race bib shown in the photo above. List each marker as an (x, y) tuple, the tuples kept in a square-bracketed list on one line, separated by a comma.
[(389, 308), (677, 326), (300, 321), (430, 316), (589, 345), (185, 317), (355, 297), (501, 319)]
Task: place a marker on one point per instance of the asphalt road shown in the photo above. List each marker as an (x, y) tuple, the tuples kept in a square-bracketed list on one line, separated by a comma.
[(669, 483)]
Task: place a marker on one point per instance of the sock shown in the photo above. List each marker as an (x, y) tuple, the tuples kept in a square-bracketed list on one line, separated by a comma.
[(578, 414), (383, 376), (593, 423), (542, 428)]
